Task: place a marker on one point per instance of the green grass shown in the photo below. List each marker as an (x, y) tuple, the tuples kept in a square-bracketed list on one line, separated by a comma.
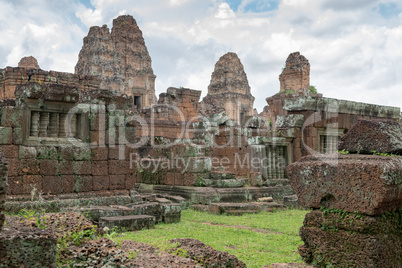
[(256, 239)]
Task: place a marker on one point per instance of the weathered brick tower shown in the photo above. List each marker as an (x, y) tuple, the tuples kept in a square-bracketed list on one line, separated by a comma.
[(295, 77), (120, 59)]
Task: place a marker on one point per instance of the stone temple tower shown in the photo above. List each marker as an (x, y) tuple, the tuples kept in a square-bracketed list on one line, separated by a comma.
[(295, 77), (228, 90), (121, 59)]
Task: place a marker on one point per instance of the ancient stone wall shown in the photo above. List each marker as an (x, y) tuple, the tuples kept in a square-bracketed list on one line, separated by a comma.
[(181, 104), (322, 117), (120, 59), (11, 77), (3, 187)]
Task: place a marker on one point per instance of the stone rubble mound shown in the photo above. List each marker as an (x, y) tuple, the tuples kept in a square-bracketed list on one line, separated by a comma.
[(368, 136)]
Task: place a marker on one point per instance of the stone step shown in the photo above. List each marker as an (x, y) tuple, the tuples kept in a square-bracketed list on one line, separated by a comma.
[(241, 208), (94, 213), (276, 182), (221, 208), (162, 200), (199, 207), (128, 223), (225, 183), (271, 206), (167, 212), (240, 212), (175, 199), (171, 213)]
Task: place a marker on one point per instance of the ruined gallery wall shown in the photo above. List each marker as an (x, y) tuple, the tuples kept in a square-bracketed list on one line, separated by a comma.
[(96, 159), (307, 119), (11, 77)]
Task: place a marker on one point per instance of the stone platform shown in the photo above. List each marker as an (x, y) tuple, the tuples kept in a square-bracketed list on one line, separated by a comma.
[(207, 195), (128, 223)]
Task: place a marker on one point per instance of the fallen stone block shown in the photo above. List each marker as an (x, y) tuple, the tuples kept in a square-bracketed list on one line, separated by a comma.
[(94, 213), (151, 208), (27, 247), (171, 213), (176, 199), (291, 201), (265, 199), (340, 239), (128, 223), (369, 184), (368, 136), (206, 255)]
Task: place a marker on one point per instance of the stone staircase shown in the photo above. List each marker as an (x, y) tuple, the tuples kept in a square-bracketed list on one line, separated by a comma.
[(147, 211), (237, 209)]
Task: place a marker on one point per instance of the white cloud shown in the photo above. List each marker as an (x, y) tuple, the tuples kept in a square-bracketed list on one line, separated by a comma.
[(353, 50), (224, 12)]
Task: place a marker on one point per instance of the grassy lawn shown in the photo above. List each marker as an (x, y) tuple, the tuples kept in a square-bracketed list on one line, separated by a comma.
[(256, 239)]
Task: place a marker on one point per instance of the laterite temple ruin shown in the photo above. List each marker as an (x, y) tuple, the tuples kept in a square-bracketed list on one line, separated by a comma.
[(101, 136)]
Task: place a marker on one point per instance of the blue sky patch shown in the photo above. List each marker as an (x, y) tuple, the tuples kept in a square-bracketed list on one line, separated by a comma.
[(87, 3), (389, 10), (254, 6)]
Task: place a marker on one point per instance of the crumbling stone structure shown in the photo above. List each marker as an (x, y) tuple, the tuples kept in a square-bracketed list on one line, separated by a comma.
[(29, 63), (120, 59), (229, 90), (81, 137), (360, 202), (295, 77)]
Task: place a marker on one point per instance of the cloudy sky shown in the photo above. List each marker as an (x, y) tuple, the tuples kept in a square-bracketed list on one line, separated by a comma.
[(354, 46)]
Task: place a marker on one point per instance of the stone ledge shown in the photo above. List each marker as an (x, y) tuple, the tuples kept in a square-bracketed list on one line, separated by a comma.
[(369, 184), (340, 106)]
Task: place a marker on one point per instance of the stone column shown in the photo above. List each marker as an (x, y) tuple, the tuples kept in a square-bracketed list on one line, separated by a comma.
[(3, 187), (53, 124), (34, 124), (62, 125), (43, 124)]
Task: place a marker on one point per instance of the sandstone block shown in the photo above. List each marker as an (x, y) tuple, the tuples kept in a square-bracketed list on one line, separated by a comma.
[(11, 117), (48, 167), (100, 168), (365, 183), (366, 136), (65, 168), (101, 183), (351, 240), (117, 182), (83, 184), (67, 183), (129, 223), (6, 135), (52, 185)]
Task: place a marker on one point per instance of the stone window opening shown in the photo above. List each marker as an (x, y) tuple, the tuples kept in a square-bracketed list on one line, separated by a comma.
[(328, 140), (276, 158), (137, 102), (54, 124)]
